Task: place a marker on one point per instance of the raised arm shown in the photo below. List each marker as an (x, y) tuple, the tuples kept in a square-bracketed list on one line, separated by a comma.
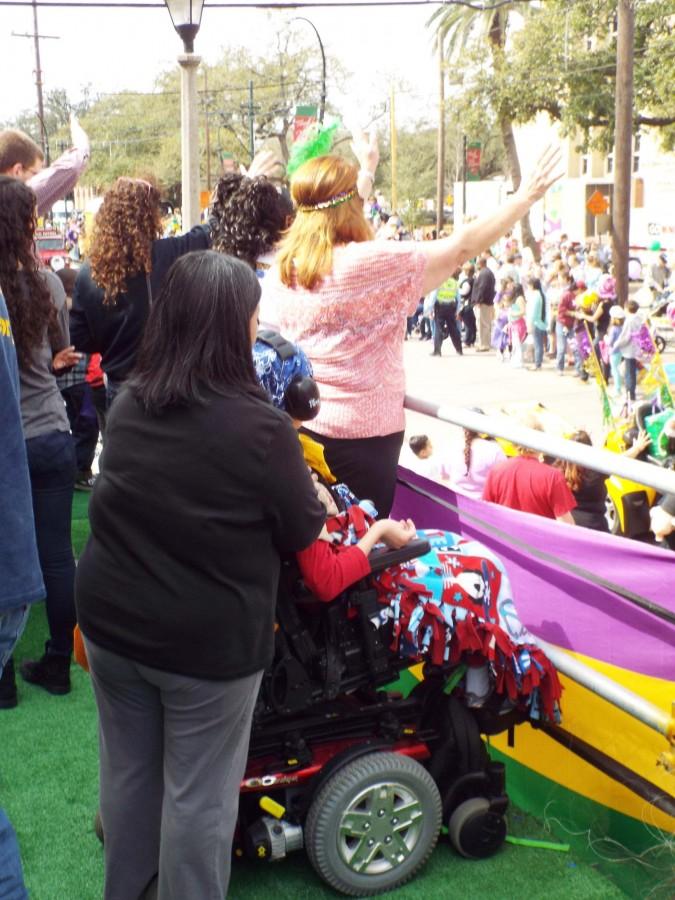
[(446, 255), (58, 179)]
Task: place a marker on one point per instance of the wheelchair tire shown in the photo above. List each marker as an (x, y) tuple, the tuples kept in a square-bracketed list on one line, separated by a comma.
[(474, 831), (373, 824)]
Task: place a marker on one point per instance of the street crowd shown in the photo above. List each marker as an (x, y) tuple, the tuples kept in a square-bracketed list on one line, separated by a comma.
[(203, 484)]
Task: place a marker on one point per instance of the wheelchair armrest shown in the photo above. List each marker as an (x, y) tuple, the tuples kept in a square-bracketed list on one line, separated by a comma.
[(382, 558)]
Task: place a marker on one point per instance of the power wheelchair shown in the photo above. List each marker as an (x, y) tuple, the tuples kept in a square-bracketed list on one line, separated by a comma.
[(342, 763)]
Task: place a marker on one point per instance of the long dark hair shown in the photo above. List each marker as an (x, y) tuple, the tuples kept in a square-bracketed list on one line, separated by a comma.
[(198, 333), (31, 310)]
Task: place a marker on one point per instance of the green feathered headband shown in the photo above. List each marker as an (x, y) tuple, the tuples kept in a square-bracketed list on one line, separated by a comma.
[(319, 142)]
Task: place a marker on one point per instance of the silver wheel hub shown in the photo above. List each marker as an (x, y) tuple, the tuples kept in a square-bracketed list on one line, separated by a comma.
[(380, 828)]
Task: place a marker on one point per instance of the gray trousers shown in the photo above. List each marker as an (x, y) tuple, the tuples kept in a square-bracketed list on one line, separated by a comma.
[(172, 754)]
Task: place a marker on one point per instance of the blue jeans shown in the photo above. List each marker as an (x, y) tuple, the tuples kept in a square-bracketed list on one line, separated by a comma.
[(51, 464), (539, 340), (12, 623), (11, 876), (631, 376), (561, 336)]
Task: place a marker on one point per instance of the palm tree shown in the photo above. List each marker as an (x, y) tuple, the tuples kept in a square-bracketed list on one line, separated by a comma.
[(461, 26)]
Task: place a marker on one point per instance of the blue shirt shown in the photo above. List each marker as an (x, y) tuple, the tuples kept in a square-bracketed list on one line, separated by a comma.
[(20, 574)]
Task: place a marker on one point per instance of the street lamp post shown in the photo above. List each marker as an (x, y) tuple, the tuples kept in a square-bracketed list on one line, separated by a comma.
[(322, 102), (186, 17)]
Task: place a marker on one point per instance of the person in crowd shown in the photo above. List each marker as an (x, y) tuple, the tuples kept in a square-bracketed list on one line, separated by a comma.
[(617, 319), (535, 314), (589, 487), (79, 399), (203, 487), (659, 274), (526, 483), (466, 314), (427, 318), (626, 345), (501, 332), (593, 272), (483, 298), (517, 324), (21, 584), (421, 457), (345, 298), (509, 270), (127, 264), (445, 316), (662, 521), (20, 157), (39, 319), (566, 323), (466, 469)]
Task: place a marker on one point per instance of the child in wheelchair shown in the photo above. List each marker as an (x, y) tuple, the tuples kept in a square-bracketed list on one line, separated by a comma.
[(450, 603)]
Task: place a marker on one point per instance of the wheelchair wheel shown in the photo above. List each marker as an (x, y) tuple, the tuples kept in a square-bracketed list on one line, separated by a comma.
[(474, 831), (374, 824)]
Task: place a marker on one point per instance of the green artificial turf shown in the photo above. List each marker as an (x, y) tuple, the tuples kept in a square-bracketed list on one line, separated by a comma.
[(48, 785)]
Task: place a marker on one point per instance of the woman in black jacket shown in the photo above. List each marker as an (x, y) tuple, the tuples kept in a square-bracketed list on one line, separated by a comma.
[(203, 485), (127, 264)]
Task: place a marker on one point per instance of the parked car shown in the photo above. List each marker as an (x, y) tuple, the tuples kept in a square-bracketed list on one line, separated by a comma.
[(51, 248)]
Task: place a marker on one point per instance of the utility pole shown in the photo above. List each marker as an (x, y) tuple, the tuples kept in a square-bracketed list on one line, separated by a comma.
[(464, 177), (623, 145), (207, 132), (392, 141), (440, 153), (251, 113), (37, 37)]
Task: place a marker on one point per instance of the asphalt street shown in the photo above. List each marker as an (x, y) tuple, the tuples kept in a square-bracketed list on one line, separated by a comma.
[(482, 380)]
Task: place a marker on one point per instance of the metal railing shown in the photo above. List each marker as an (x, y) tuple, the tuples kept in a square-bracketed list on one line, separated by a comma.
[(503, 426), (662, 480)]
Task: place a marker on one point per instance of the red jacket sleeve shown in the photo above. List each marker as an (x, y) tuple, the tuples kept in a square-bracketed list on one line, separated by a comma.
[(327, 569)]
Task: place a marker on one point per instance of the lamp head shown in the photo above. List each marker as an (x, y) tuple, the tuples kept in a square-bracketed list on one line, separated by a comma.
[(186, 17)]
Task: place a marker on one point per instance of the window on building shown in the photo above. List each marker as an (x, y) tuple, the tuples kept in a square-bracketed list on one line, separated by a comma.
[(585, 163), (636, 151), (610, 163)]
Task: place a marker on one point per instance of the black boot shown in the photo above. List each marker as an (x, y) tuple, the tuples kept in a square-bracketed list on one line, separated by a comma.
[(8, 695), (51, 672)]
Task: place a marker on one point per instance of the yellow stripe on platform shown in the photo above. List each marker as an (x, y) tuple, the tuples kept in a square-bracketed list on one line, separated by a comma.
[(610, 730)]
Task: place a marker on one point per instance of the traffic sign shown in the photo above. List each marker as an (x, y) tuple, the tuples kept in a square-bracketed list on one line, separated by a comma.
[(597, 204)]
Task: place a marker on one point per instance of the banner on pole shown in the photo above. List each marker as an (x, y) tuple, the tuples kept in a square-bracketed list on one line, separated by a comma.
[(304, 117), (473, 157)]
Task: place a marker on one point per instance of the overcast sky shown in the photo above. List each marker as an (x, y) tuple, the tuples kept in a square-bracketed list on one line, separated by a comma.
[(125, 49)]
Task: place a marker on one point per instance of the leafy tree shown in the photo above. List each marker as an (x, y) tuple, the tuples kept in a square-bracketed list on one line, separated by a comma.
[(137, 134), (416, 161), (573, 79), (484, 32)]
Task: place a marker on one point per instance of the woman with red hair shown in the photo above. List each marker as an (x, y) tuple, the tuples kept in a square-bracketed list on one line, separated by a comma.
[(345, 298)]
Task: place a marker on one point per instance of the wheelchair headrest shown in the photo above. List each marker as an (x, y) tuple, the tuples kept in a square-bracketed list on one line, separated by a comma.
[(286, 375)]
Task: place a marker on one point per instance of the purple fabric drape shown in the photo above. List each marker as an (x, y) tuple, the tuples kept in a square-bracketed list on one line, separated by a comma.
[(560, 605)]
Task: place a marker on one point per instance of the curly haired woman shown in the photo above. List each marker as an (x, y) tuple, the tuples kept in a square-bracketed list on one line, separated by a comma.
[(36, 303), (249, 216), (126, 267)]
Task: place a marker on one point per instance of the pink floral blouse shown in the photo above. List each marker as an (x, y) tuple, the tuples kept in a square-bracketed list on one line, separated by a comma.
[(352, 328)]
